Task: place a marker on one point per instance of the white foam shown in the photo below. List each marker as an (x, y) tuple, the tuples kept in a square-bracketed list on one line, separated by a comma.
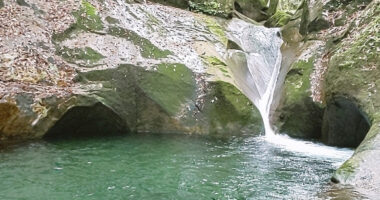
[(308, 147)]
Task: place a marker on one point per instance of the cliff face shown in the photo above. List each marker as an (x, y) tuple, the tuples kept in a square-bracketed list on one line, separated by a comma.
[(115, 67), (331, 53)]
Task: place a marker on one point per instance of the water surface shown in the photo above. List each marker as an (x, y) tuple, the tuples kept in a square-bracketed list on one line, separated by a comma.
[(164, 167)]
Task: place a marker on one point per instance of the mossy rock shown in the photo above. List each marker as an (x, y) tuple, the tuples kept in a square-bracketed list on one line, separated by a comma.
[(353, 73), (299, 115), (22, 3), (280, 18), (228, 109), (253, 9), (170, 86), (215, 28), (221, 8), (87, 19), (112, 20), (354, 68), (147, 49), (88, 55)]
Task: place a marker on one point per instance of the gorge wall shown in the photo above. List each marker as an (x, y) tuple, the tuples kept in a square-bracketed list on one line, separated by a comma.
[(137, 67)]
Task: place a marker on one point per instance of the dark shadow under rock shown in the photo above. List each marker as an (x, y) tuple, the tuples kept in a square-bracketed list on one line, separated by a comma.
[(344, 124), (302, 119), (88, 121)]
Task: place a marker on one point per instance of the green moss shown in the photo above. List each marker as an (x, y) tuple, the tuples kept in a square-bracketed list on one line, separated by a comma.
[(22, 3), (87, 54), (297, 83), (1, 3), (170, 86), (354, 67), (147, 49), (280, 18), (211, 7), (112, 20), (290, 5), (87, 18), (215, 62), (227, 104), (59, 37), (215, 28), (345, 171), (300, 116)]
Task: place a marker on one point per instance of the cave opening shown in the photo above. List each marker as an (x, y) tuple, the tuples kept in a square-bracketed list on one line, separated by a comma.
[(344, 123), (88, 122)]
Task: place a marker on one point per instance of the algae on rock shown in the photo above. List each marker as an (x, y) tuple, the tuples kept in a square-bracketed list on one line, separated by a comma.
[(300, 116)]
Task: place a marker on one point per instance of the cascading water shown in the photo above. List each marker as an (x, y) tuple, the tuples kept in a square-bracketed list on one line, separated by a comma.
[(256, 68)]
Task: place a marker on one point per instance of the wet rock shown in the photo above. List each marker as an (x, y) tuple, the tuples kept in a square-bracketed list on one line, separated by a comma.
[(299, 115)]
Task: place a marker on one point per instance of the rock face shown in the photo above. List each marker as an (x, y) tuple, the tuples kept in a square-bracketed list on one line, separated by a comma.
[(114, 67), (300, 116), (256, 10), (337, 74), (354, 72)]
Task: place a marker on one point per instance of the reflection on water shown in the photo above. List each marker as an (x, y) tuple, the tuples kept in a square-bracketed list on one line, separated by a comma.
[(164, 167)]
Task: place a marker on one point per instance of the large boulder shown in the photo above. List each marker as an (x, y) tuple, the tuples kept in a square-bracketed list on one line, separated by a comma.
[(114, 67), (353, 72)]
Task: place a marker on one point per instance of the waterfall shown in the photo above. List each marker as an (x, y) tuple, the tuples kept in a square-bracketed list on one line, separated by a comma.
[(256, 66)]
